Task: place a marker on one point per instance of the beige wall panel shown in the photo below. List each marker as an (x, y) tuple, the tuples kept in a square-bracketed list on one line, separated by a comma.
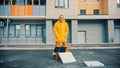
[(90, 5), (69, 13), (114, 12)]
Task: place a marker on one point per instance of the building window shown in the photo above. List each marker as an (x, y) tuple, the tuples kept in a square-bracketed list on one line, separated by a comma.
[(7, 2), (39, 2), (29, 2), (21, 2), (82, 0), (1, 2), (82, 12), (18, 2), (17, 29), (61, 3), (27, 29), (15, 2), (38, 31), (33, 30), (36, 2), (14, 30), (2, 33), (42, 2), (118, 3), (96, 11)]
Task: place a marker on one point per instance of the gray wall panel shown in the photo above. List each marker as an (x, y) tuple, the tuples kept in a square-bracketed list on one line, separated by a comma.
[(49, 32), (36, 11), (95, 30), (39, 11), (42, 10), (74, 31), (7, 10), (110, 30)]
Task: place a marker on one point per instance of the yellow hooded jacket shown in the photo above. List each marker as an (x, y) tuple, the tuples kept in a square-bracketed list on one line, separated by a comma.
[(61, 31)]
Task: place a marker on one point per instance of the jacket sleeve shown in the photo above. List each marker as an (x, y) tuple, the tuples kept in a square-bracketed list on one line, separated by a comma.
[(66, 29), (55, 31)]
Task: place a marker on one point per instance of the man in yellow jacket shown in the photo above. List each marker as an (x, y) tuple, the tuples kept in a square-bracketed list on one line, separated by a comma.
[(61, 31)]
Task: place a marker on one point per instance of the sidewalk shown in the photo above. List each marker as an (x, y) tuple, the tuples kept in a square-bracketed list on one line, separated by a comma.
[(51, 46)]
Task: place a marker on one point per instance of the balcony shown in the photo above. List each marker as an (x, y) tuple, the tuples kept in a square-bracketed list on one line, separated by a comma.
[(15, 10), (103, 16)]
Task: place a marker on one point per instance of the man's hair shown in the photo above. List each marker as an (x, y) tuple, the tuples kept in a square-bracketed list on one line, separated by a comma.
[(61, 15)]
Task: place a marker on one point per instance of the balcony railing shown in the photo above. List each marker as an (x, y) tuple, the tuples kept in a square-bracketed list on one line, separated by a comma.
[(21, 40), (6, 10)]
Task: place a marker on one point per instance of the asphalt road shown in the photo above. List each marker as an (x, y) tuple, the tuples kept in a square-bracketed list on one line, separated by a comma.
[(44, 59)]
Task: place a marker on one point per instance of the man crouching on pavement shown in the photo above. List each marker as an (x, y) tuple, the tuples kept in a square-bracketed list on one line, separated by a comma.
[(61, 32)]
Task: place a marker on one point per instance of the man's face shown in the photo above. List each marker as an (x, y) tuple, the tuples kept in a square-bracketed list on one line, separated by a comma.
[(61, 18)]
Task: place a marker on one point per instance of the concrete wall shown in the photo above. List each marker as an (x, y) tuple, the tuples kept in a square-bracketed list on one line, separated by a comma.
[(114, 12), (74, 31), (110, 24), (53, 13), (49, 32)]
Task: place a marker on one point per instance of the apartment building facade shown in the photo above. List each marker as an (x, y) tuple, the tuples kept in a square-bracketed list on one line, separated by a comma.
[(30, 22)]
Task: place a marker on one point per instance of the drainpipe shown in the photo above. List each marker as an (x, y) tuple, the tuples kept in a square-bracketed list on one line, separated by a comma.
[(7, 26), (7, 31)]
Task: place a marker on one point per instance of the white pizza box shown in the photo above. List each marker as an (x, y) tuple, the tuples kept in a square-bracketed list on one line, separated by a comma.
[(93, 63), (67, 57)]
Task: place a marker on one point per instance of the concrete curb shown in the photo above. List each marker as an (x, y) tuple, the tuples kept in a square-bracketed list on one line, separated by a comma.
[(51, 48)]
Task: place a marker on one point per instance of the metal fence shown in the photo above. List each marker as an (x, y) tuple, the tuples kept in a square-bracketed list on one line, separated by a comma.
[(21, 40)]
